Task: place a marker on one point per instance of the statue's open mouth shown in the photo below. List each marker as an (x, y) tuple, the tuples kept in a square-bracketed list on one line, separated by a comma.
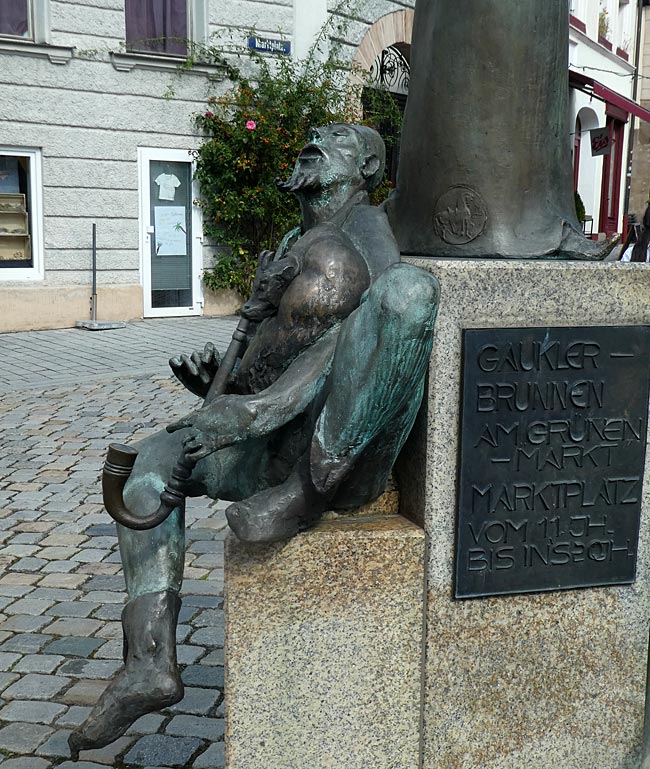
[(312, 152)]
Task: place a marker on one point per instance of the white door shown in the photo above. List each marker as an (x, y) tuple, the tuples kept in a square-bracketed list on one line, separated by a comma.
[(170, 234)]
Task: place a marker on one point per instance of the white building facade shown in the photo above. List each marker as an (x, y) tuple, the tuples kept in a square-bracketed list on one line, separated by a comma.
[(602, 63), (96, 128)]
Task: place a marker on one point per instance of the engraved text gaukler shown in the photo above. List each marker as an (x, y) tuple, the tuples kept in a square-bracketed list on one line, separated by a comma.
[(553, 439)]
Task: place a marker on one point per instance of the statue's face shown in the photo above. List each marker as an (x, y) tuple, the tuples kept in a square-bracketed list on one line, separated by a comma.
[(333, 154)]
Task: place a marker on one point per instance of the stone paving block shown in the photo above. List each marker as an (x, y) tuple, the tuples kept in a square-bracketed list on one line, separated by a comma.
[(107, 566), (56, 745), (196, 701), (196, 726), (8, 660), (58, 566), (105, 596), (102, 669), (25, 623), (215, 657), (87, 555), (208, 561), (55, 579), (20, 550), (202, 587), (198, 675), (39, 663), (213, 758), (28, 606), (74, 626), (28, 564), (207, 546), (74, 646), (162, 750), (75, 715), (209, 618), (19, 579), (102, 530), (186, 655), (203, 601), (15, 590), (31, 711), (72, 609), (26, 643), (63, 540), (109, 754), (81, 765), (186, 613), (36, 686), (85, 692), (148, 724), (26, 762), (110, 582), (57, 553), (206, 636), (111, 629), (55, 594), (23, 737), (111, 650)]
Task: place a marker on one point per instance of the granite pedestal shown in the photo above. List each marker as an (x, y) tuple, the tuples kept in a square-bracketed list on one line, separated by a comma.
[(538, 680), (324, 647)]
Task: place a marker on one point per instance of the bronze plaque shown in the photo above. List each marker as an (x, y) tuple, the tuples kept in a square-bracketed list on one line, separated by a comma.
[(552, 452)]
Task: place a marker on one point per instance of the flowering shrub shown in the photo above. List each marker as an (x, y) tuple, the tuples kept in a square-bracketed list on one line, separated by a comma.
[(254, 134)]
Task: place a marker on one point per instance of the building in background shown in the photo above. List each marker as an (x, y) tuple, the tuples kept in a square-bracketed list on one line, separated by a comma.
[(95, 127), (640, 186), (602, 65)]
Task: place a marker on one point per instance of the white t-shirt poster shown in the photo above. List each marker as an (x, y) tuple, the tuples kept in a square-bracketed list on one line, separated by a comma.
[(170, 230), (167, 184)]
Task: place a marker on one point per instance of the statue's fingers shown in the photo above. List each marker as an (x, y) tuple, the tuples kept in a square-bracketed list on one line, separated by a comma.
[(209, 354), (190, 365), (180, 424), (175, 362)]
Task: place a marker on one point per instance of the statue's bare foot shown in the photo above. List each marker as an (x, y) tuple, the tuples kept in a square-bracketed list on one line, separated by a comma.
[(131, 695), (277, 513), (149, 680)]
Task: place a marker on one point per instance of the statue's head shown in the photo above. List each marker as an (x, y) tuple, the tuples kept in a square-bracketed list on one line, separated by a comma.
[(336, 155)]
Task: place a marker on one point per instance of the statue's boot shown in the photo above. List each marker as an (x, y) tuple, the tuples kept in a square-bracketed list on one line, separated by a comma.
[(150, 679)]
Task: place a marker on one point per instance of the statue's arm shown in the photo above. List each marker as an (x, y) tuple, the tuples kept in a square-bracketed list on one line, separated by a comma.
[(230, 419)]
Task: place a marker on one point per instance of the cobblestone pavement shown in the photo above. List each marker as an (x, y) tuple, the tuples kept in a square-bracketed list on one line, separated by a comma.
[(64, 396)]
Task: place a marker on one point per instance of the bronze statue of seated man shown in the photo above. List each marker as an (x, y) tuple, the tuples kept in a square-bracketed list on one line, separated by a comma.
[(313, 419)]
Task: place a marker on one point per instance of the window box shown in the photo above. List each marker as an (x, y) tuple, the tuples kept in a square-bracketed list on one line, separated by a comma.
[(605, 42), (623, 54), (575, 22)]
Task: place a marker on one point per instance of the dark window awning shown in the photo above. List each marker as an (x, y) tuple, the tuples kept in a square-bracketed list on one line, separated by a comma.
[(594, 88)]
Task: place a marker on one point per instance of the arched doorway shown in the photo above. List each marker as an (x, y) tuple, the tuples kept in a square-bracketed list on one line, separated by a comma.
[(385, 54), (390, 73)]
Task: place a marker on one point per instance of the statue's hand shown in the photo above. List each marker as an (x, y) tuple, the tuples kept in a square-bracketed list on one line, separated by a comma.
[(226, 420), (196, 371)]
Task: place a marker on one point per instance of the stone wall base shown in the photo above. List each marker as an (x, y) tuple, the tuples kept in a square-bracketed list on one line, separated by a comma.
[(42, 307)]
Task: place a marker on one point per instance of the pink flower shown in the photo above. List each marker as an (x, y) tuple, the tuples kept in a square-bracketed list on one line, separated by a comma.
[(209, 114), (251, 125)]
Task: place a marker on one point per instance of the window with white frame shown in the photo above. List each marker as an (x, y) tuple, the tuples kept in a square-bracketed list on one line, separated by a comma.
[(20, 214), (165, 26), (16, 18), (25, 20)]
